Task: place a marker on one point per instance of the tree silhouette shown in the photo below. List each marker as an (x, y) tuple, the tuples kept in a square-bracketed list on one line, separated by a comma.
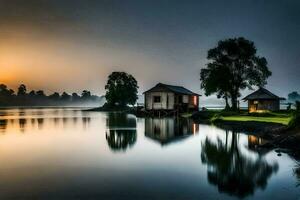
[(55, 96), (5, 92), (232, 171), (294, 96), (121, 89), (65, 97), (233, 66), (22, 90), (75, 97), (214, 80), (40, 94), (32, 94), (86, 94)]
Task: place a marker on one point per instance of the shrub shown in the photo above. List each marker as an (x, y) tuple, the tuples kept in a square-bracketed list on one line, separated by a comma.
[(295, 121), (298, 106)]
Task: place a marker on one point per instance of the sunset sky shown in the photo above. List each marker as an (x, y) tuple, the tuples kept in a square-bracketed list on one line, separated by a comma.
[(71, 45)]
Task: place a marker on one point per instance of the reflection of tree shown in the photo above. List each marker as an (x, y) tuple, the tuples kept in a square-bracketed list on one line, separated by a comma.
[(120, 120), (22, 124), (3, 125), (297, 173), (120, 139), (231, 170), (296, 156), (121, 131)]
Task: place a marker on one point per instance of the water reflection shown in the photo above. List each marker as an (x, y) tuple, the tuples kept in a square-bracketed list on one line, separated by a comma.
[(168, 130), (254, 144), (22, 124), (121, 131), (75, 155), (3, 125), (23, 121), (297, 173), (233, 171)]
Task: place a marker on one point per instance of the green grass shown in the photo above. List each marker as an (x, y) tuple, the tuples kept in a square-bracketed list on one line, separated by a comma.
[(278, 118)]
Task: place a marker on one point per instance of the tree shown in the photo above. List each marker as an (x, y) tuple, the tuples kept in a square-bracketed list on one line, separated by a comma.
[(55, 96), (293, 96), (121, 89), (5, 92), (40, 93), (65, 97), (233, 66), (32, 94), (211, 79), (232, 170), (6, 95), (75, 97), (85, 94), (22, 90)]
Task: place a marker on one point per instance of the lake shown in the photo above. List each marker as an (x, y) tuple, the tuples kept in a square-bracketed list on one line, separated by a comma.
[(70, 154)]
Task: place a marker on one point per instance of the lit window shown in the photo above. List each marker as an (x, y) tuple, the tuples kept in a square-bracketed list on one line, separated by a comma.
[(195, 101)]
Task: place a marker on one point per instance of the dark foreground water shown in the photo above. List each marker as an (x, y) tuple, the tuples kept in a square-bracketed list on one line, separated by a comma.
[(69, 154)]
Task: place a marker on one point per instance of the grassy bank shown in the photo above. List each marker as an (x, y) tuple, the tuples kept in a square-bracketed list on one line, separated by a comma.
[(282, 117)]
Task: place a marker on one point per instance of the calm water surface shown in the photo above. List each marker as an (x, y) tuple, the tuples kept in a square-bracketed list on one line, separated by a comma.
[(69, 154)]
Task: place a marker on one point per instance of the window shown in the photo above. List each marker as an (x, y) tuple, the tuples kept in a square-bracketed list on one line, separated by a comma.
[(195, 100), (156, 99), (180, 99)]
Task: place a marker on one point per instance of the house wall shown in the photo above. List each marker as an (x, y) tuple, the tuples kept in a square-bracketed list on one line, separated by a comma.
[(169, 100), (185, 99), (166, 103), (264, 105)]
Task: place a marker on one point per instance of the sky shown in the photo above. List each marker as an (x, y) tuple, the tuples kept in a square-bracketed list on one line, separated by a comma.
[(71, 45)]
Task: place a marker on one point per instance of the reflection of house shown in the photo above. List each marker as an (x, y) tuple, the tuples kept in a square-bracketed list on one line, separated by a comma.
[(263, 100), (167, 130), (254, 144), (254, 141), (169, 97)]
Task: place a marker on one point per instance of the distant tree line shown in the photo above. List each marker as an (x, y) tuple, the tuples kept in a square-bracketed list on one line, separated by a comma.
[(23, 97)]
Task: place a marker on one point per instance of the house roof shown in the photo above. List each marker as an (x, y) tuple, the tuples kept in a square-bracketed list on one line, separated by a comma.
[(168, 140), (262, 93), (160, 87)]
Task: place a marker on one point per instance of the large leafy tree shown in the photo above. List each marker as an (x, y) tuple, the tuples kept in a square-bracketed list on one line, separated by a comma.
[(233, 66), (121, 89)]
